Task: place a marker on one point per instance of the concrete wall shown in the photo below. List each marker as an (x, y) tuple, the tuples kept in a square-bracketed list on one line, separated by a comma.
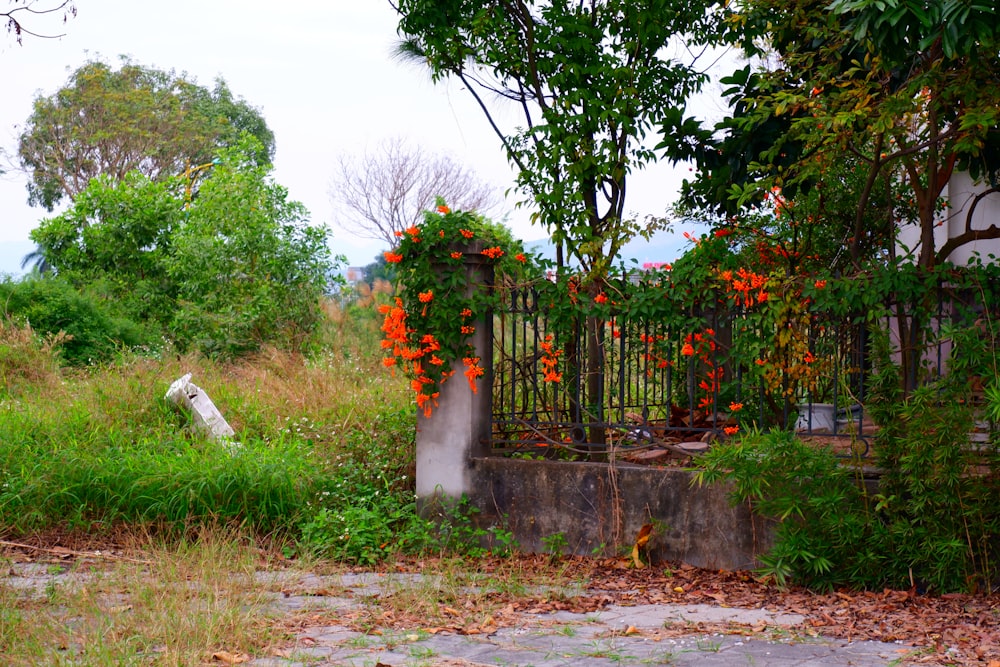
[(599, 511)]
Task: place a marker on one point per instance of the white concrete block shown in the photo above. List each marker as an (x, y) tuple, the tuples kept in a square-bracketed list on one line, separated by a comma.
[(207, 417)]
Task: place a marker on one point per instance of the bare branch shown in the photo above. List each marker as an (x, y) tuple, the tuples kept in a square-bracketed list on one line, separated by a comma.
[(15, 25), (386, 190), (969, 234)]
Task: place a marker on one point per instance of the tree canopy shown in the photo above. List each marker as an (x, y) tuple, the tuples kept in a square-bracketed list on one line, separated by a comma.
[(587, 82), (237, 266), (110, 122), (906, 92)]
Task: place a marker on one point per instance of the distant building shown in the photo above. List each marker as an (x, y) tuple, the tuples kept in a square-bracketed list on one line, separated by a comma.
[(355, 274)]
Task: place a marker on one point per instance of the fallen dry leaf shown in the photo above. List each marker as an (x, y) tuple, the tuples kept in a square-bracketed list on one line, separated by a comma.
[(230, 658)]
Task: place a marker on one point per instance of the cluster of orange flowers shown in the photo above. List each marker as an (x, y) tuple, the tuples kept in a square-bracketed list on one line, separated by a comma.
[(653, 359), (550, 360), (411, 357), (743, 283), (704, 346), (472, 371), (493, 253)]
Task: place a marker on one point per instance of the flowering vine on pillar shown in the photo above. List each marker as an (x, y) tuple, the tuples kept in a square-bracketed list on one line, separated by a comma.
[(430, 325)]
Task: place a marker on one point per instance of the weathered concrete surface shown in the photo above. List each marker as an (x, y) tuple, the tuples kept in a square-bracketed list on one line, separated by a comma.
[(612, 637), (696, 525)]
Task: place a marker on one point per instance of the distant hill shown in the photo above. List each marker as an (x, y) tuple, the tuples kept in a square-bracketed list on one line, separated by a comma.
[(662, 247)]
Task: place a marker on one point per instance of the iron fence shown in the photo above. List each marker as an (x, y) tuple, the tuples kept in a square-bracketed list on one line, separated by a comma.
[(632, 383)]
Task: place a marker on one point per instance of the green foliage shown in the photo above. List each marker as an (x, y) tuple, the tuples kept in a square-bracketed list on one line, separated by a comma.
[(165, 482), (932, 524), (588, 82), (367, 511), (109, 122), (119, 233), (246, 266), (223, 272), (824, 530), (91, 329)]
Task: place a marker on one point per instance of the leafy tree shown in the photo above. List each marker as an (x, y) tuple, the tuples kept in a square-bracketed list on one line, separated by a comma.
[(111, 122), (233, 268), (387, 190), (906, 92), (247, 267), (19, 11), (588, 82), (119, 234)]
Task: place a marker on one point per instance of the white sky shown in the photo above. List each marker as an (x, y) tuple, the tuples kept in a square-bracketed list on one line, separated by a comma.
[(321, 72)]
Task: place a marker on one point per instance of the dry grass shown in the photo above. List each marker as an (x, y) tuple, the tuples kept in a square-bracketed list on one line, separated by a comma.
[(27, 362), (178, 610)]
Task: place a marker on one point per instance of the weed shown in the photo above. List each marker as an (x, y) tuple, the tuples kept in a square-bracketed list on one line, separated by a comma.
[(708, 645), (555, 544)]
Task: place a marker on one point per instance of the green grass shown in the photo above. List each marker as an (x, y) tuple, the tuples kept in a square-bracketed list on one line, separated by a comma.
[(99, 448)]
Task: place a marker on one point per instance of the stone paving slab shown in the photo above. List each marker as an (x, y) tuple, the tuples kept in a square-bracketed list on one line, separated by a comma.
[(567, 639)]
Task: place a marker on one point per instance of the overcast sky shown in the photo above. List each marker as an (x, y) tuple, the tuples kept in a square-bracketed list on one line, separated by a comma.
[(321, 72)]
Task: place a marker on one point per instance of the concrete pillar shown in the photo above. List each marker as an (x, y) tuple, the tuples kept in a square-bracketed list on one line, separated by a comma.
[(458, 430)]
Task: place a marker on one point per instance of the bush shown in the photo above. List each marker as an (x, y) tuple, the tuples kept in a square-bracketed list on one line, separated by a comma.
[(91, 331)]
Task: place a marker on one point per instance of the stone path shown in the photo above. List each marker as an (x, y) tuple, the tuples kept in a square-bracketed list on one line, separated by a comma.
[(613, 637)]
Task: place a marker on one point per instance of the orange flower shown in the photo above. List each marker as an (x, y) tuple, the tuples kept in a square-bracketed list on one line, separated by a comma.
[(468, 330), (413, 231), (466, 312), (456, 255), (472, 371), (466, 233), (383, 308), (392, 257), (735, 407), (601, 298), (687, 350), (731, 430), (819, 284), (437, 361), (389, 361), (441, 233), (425, 297), (520, 257), (398, 234), (443, 209), (493, 253)]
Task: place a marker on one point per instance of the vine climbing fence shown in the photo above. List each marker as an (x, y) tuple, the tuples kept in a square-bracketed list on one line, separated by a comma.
[(578, 374)]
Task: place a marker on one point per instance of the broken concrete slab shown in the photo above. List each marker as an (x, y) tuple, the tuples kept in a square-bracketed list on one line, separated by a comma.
[(207, 418)]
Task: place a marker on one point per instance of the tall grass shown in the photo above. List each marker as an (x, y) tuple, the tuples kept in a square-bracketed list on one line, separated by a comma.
[(92, 449)]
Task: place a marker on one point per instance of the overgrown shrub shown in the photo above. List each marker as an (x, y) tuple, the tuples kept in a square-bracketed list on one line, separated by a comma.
[(932, 525), (89, 329)]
